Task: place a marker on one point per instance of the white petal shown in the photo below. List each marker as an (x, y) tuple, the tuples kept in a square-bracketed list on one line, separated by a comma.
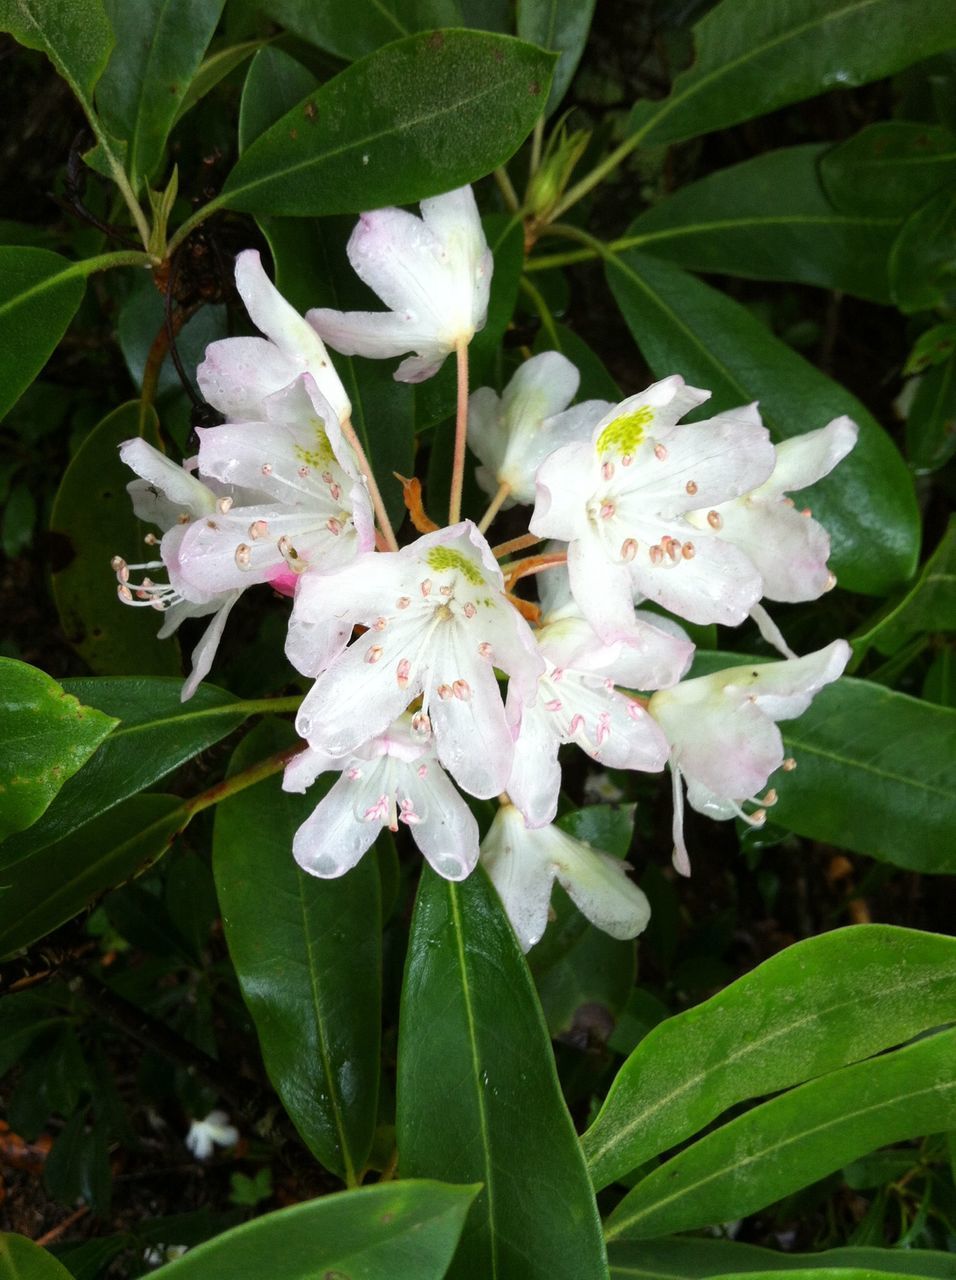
[(376, 334), (488, 432), (803, 460), (176, 484), (717, 584), (651, 411), (444, 828), (522, 877), (789, 549), (784, 690), (471, 734), (333, 839), (402, 261), (535, 781), (238, 374), (601, 589), (304, 767), (562, 486), (598, 886), (205, 651), (456, 224)]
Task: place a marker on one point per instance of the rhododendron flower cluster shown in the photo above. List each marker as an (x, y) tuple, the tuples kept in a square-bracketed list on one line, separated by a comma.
[(448, 666)]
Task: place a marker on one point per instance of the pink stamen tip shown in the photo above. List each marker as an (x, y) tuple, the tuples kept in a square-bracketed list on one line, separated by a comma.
[(660, 452), (628, 549), (607, 470), (445, 691), (243, 556), (688, 551), (380, 624), (626, 460), (554, 705), (403, 672), (267, 468), (657, 555), (427, 587), (353, 774), (715, 520), (603, 728), (258, 529), (462, 690), (607, 510), (422, 770), (634, 709), (373, 654), (691, 487), (402, 602), (577, 724), (469, 610), (334, 526), (485, 649)]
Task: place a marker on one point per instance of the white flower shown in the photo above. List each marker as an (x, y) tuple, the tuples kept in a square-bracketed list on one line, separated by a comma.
[(214, 1131), (160, 1253), (524, 863), (787, 545), (577, 702), (723, 737), (238, 374), (393, 779), (319, 515), (513, 435), (432, 272), (169, 497), (438, 624), (620, 501)]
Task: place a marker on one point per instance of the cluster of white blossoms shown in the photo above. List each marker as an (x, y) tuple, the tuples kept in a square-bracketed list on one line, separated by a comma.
[(429, 669)]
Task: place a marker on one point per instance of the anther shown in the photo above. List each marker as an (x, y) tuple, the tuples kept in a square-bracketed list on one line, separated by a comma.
[(688, 551), (427, 587), (353, 774), (124, 593), (715, 519), (554, 705), (258, 529), (422, 770), (421, 724), (223, 505), (243, 555), (403, 672), (485, 649), (607, 470), (607, 510), (758, 818), (672, 547), (402, 602), (462, 690), (267, 468), (373, 654), (626, 460), (831, 582), (691, 487), (806, 512), (445, 591), (656, 554), (469, 610), (445, 691), (770, 799), (576, 725), (117, 564), (789, 764), (660, 452), (151, 540), (380, 624), (628, 549)]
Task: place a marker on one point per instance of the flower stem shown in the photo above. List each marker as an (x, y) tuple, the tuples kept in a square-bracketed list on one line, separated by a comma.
[(239, 781), (506, 187), (532, 564), (494, 506), (461, 434), (514, 544), (373, 490), (536, 140), (543, 310)]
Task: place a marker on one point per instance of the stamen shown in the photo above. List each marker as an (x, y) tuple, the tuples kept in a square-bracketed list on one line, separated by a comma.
[(688, 551), (427, 588), (223, 505), (607, 470), (656, 554), (243, 556), (380, 624), (258, 529), (373, 654), (445, 591), (445, 691), (789, 765), (117, 564), (422, 770), (304, 472), (462, 690), (334, 526), (691, 487), (151, 540), (124, 593), (576, 725), (353, 774), (831, 582), (628, 549), (485, 649), (626, 460), (604, 727), (806, 512), (672, 547), (715, 519), (402, 602), (554, 705), (607, 510), (469, 610), (770, 799), (660, 452), (267, 468), (402, 673), (422, 726)]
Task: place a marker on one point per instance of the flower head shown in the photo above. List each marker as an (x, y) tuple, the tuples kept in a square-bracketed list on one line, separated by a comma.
[(238, 374), (438, 624), (723, 737), (214, 1131), (524, 863), (395, 778), (432, 272), (620, 501), (513, 435)]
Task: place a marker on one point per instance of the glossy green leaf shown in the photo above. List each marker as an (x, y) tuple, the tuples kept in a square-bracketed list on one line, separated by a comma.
[(39, 295), (561, 26), (796, 1139), (889, 168), (596, 382), (769, 219), (157, 733), (47, 735), (74, 34), (930, 604), (212, 70), (416, 118), (159, 47), (21, 1259), (923, 261), (474, 1053), (44, 889), (353, 32), (307, 953), (752, 57), (92, 520), (394, 1231), (685, 1258), (683, 325), (931, 419), (274, 84), (818, 1005)]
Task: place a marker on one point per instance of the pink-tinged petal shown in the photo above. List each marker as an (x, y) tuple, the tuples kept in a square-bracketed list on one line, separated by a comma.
[(599, 887), (611, 727), (488, 432), (521, 876), (803, 460), (170, 550), (540, 388), (789, 549), (375, 334), (655, 409), (454, 220), (238, 374), (784, 690), (401, 260), (182, 491), (472, 738), (305, 767), (535, 782), (731, 751), (203, 654), (442, 825), (770, 631), (717, 583), (420, 368), (656, 654), (562, 486), (333, 839), (602, 589), (679, 855)]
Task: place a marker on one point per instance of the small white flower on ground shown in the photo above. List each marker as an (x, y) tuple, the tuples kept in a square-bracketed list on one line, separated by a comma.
[(169, 497), (395, 778), (432, 272), (523, 864), (723, 737), (513, 435), (438, 624), (214, 1131), (620, 501), (238, 374), (786, 544)]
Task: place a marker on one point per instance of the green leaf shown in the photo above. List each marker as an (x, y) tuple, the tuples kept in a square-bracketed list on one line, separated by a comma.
[(929, 605), (352, 33), (818, 1005), (47, 735), (307, 953), (923, 261), (157, 733), (561, 26), (752, 57), (39, 295), (42, 890), (275, 83), (698, 1259), (596, 382), (418, 117), (21, 1259), (867, 504), (796, 1139), (474, 1056), (159, 47), (931, 420), (213, 69), (74, 34), (393, 1231), (768, 219), (889, 168), (92, 520)]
